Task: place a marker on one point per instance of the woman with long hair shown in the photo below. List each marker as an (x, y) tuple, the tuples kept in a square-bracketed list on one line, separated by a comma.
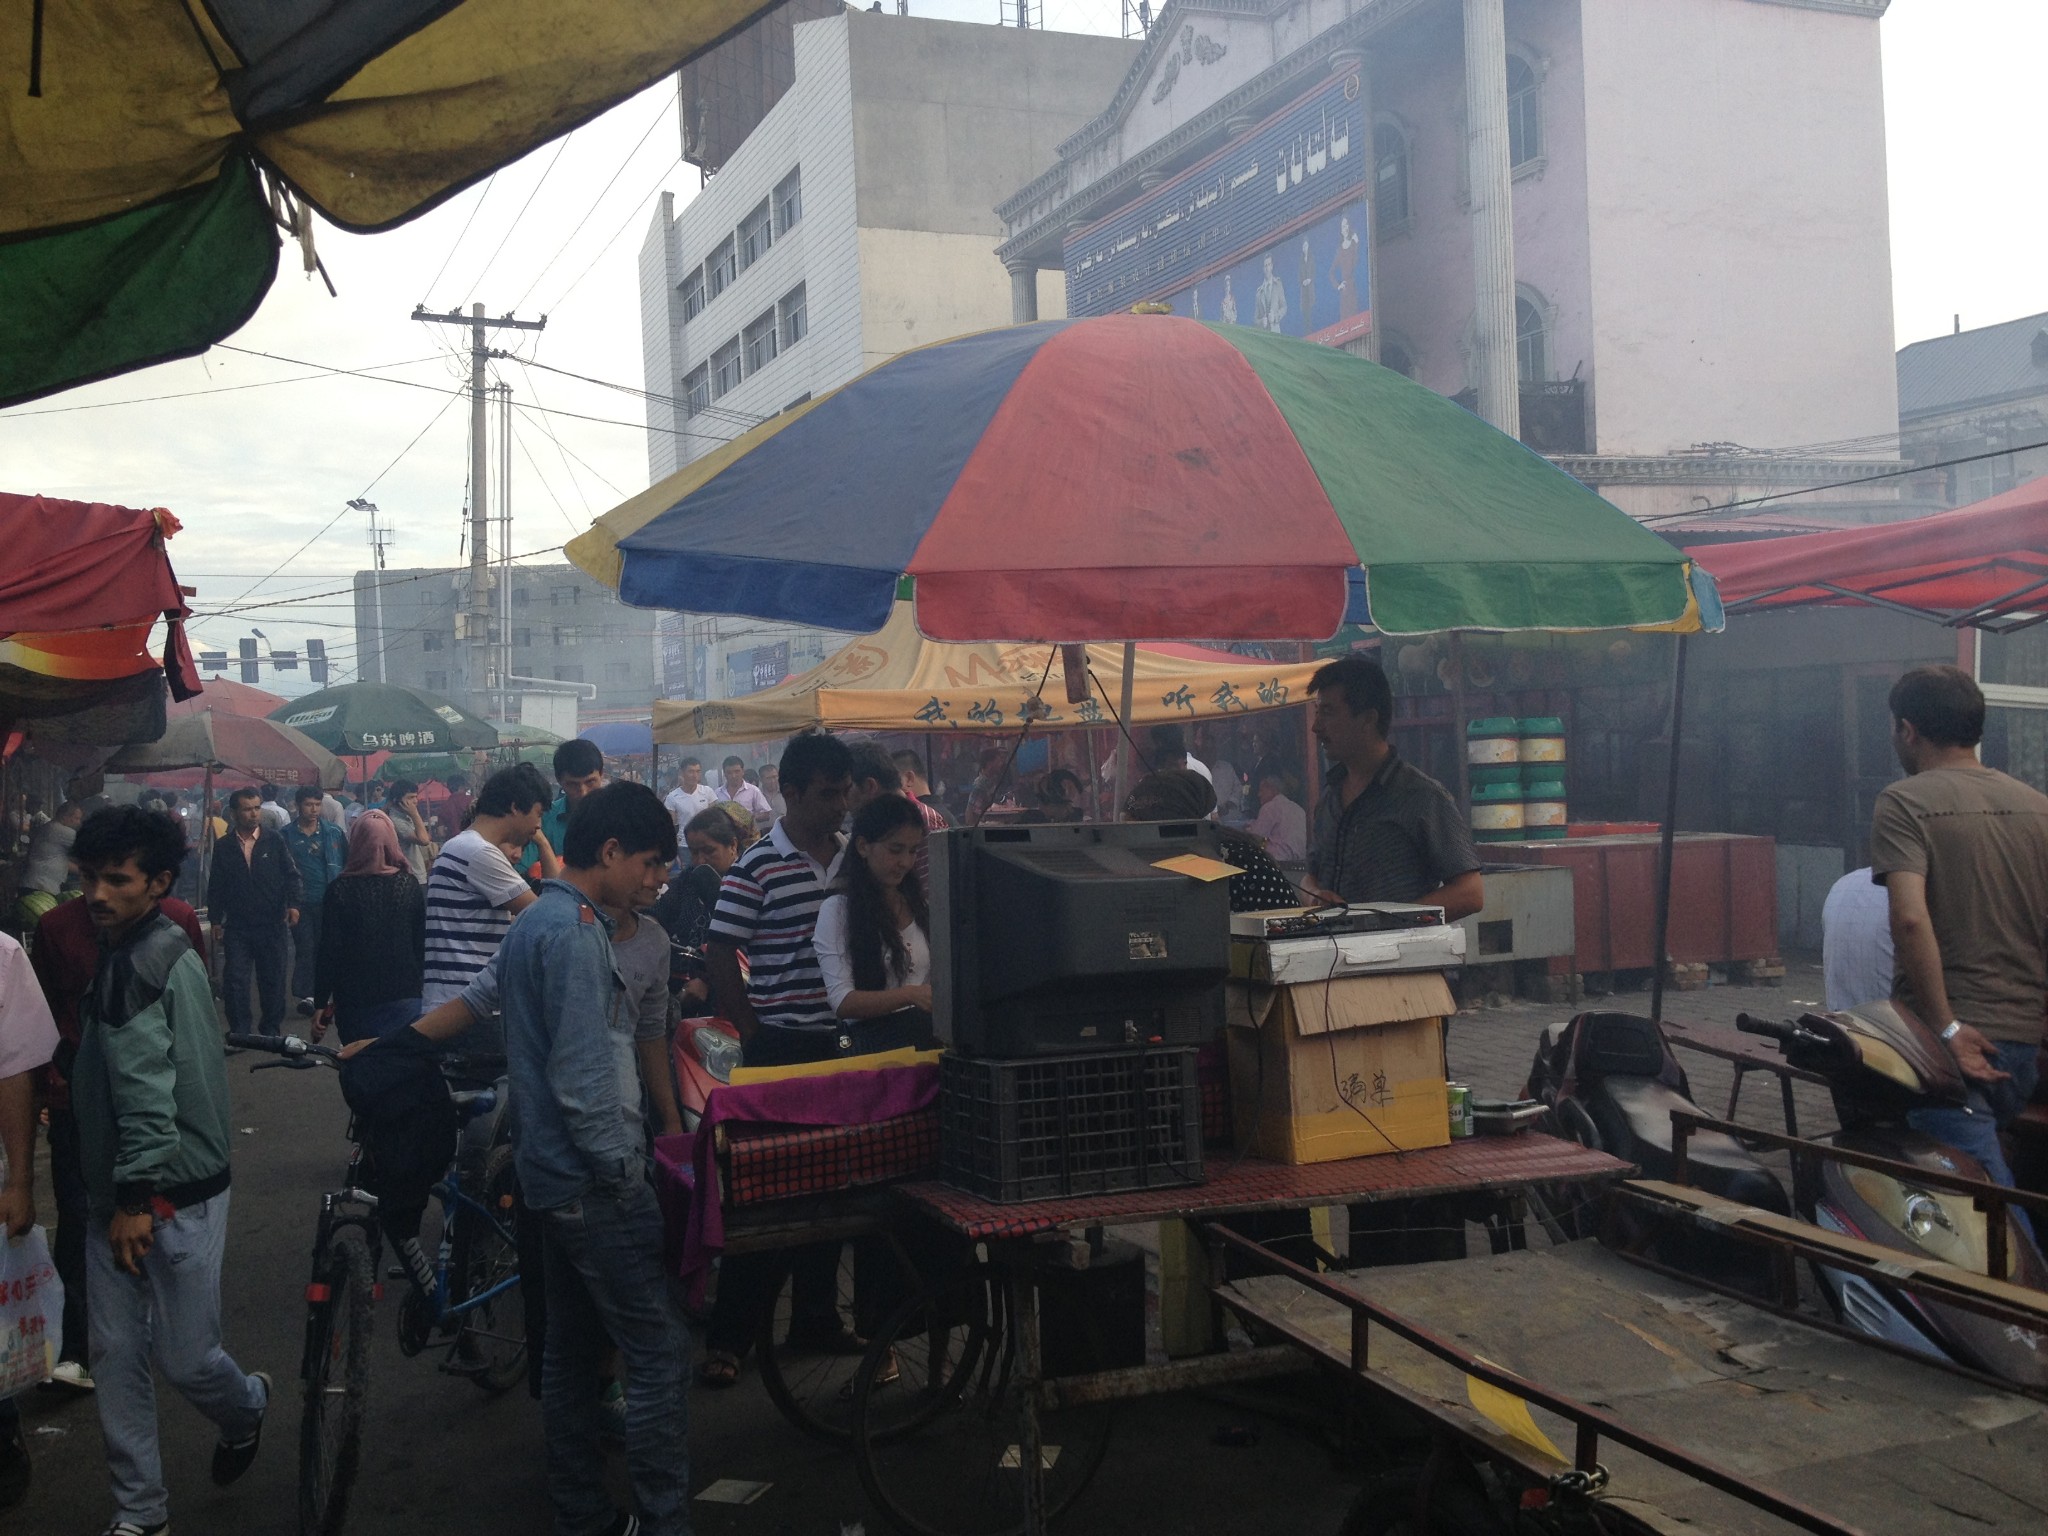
[(370, 967), (874, 937)]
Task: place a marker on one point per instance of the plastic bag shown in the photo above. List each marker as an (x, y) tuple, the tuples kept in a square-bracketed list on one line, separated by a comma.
[(31, 1312)]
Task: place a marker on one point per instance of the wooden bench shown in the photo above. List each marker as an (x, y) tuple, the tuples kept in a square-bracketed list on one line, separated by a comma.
[(1747, 1054)]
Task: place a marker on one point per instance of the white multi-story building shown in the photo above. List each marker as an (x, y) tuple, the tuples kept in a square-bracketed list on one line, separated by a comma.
[(854, 222)]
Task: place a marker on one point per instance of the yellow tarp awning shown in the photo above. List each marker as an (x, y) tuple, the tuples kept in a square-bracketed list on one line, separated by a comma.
[(896, 680)]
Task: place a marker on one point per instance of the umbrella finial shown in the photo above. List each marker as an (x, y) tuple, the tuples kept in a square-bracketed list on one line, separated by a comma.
[(1152, 307)]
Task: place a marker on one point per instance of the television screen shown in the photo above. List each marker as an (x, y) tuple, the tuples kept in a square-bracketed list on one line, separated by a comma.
[(1062, 937)]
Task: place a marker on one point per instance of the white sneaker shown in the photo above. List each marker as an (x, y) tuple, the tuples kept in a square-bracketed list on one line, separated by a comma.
[(71, 1374)]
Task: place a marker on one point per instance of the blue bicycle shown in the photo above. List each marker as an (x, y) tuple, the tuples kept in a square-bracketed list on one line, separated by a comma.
[(472, 1311)]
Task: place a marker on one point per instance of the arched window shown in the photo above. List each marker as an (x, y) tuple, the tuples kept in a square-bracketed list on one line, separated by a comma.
[(1525, 112), (1532, 341), (1391, 163)]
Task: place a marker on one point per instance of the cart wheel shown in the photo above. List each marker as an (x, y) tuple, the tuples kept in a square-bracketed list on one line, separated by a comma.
[(940, 1447), (814, 1389)]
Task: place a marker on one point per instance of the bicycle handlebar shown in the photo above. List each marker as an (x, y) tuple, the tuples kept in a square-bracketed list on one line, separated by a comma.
[(295, 1051)]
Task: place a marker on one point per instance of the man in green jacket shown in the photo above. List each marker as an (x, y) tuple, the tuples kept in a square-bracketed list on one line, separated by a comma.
[(150, 1091)]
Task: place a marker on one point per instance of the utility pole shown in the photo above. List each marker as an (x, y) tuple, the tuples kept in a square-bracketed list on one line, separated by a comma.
[(476, 626), (379, 537)]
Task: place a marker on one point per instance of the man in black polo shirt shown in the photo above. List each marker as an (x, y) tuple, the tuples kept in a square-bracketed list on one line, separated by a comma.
[(1384, 829)]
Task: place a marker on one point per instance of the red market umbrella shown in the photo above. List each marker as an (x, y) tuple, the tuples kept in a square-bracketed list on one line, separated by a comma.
[(1982, 565), (241, 744), (228, 698)]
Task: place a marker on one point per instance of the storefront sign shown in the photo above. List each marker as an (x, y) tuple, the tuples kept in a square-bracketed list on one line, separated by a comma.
[(1295, 175)]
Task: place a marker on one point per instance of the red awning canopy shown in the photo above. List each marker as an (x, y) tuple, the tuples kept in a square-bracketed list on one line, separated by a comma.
[(81, 587), (1984, 565)]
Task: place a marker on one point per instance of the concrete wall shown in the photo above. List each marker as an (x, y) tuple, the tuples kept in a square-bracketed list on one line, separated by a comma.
[(1737, 225), (808, 128), (950, 118), (661, 319)]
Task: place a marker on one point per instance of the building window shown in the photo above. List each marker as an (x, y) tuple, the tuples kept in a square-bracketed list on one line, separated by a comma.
[(618, 671), (568, 674), (719, 269), (1525, 112), (615, 631), (430, 641), (567, 635), (789, 202), (522, 639), (796, 318), (757, 233), (437, 682), (725, 369), (693, 295), (697, 390), (1391, 163), (802, 399), (758, 339), (1532, 342), (562, 597), (519, 597)]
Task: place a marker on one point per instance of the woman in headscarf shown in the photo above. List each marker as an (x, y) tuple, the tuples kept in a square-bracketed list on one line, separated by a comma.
[(368, 973), (1181, 794)]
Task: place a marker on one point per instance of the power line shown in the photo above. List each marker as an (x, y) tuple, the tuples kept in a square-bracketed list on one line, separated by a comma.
[(222, 389), (563, 298), (576, 228), (745, 418), (561, 146), (474, 209), (1839, 485)]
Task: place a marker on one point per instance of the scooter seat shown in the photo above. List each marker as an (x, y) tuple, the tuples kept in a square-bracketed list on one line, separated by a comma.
[(1714, 1161)]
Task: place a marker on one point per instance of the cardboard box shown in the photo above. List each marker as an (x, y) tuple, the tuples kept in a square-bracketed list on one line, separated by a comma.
[(1335, 1069)]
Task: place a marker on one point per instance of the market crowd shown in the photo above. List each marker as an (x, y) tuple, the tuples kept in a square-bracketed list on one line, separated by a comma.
[(566, 930)]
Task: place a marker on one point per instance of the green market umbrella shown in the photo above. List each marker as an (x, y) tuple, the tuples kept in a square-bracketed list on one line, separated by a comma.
[(150, 149), (439, 765), (356, 719)]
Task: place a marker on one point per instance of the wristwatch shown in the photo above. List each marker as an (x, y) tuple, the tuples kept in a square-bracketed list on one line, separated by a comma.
[(1955, 1027)]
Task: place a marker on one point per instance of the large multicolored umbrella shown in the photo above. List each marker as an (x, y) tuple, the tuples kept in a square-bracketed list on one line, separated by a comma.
[(1139, 477), (137, 137), (359, 718)]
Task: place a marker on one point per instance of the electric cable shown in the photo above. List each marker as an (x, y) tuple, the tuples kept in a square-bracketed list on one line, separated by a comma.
[(474, 209)]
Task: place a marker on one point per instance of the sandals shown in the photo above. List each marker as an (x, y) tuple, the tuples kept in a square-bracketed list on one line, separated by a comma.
[(718, 1370)]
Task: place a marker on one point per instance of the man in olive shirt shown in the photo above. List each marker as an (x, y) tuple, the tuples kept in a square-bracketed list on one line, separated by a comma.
[(1384, 830), (1962, 851)]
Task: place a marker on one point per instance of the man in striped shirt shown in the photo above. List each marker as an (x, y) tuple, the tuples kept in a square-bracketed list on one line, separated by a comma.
[(768, 908), (473, 892)]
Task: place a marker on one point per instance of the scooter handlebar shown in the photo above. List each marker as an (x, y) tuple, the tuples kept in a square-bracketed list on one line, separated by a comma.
[(296, 1052), (1774, 1029)]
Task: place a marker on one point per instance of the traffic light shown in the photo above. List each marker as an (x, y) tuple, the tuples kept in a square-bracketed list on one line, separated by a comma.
[(251, 668), (316, 660)]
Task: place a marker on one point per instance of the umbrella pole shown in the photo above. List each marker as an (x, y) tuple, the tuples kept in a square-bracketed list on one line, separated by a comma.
[(1665, 840), (1094, 781), (1123, 747), (205, 833)]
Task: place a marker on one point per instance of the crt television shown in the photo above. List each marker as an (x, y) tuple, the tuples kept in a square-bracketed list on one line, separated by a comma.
[(1067, 937)]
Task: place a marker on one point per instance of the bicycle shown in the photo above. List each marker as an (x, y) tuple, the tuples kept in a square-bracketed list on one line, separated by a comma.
[(473, 1306)]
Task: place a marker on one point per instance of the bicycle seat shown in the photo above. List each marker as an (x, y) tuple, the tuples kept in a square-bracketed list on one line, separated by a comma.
[(472, 1102)]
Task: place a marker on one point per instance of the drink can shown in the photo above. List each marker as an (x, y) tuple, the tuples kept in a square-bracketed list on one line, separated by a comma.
[(1460, 1095)]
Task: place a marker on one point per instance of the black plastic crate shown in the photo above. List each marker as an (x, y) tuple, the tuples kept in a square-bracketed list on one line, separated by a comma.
[(1048, 1126)]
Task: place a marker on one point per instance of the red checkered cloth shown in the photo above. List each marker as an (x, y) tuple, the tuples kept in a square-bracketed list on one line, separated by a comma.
[(761, 1163), (836, 1101)]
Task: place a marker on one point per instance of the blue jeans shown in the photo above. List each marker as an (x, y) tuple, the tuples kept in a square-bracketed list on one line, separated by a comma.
[(169, 1316), (264, 950), (605, 1283), (1974, 1128)]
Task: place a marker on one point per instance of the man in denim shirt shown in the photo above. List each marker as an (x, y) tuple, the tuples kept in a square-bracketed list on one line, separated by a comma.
[(583, 1170)]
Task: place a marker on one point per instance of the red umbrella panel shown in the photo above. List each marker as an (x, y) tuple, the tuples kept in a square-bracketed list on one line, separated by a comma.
[(1978, 565)]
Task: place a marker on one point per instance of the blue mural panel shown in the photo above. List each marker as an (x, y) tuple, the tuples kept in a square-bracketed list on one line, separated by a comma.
[(1296, 174), (1311, 283)]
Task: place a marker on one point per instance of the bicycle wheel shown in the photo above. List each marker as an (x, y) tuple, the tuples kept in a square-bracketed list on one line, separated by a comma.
[(814, 1387), (337, 1383), (940, 1449), (492, 1343)]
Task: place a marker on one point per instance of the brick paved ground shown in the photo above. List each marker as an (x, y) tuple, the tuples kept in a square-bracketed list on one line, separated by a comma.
[(1491, 1047)]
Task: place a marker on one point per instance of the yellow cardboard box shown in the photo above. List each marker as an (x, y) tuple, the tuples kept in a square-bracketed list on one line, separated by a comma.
[(1347, 1068)]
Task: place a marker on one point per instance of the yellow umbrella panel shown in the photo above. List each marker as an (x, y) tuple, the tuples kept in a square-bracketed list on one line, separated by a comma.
[(896, 680)]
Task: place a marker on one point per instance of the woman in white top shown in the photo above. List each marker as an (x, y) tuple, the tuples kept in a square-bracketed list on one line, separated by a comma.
[(872, 937)]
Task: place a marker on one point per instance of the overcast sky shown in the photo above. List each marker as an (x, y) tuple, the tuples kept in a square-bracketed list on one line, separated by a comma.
[(261, 475)]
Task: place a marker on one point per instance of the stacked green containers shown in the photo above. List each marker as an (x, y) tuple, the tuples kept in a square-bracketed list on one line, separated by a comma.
[(1493, 749), (1540, 759)]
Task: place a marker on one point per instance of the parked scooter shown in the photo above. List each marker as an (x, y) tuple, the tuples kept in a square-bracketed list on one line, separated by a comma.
[(1612, 1082)]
